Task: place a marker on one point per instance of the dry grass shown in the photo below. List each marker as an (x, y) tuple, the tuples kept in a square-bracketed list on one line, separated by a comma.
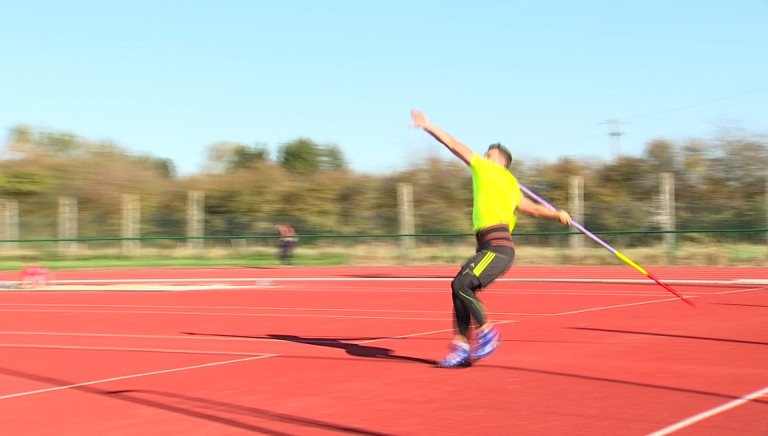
[(388, 252)]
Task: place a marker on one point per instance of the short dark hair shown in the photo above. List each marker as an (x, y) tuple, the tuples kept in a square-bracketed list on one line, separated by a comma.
[(504, 151)]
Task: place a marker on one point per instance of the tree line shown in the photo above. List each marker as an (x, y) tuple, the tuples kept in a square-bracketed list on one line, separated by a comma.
[(719, 183)]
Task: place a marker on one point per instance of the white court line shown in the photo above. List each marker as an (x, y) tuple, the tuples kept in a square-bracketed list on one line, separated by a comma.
[(275, 315), (316, 315), (616, 306), (592, 309), (125, 377), (153, 306), (495, 290), (274, 355), (711, 412), (410, 335), (262, 281), (131, 349), (120, 335), (271, 283), (738, 291), (167, 350), (263, 356)]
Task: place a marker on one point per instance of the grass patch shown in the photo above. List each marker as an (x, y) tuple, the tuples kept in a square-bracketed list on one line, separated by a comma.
[(384, 253)]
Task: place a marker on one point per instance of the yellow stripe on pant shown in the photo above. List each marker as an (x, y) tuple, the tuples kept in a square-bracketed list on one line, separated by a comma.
[(484, 262)]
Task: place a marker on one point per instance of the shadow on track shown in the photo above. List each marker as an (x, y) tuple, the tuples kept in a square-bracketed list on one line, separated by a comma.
[(346, 344), (221, 412)]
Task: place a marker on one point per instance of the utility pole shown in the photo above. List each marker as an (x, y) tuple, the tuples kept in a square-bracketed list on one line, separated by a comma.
[(615, 134)]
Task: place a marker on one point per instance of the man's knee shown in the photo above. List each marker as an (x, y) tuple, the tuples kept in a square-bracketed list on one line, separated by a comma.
[(466, 281)]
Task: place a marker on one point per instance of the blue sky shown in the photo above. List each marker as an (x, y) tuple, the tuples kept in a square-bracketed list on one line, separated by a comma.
[(171, 78)]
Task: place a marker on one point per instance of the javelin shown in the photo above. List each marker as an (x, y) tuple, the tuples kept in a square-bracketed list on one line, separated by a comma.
[(618, 254)]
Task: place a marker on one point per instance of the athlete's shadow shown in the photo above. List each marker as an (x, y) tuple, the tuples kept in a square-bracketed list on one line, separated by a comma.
[(351, 348)]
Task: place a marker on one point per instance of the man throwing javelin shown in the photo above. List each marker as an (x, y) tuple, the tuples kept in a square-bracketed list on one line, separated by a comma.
[(497, 197)]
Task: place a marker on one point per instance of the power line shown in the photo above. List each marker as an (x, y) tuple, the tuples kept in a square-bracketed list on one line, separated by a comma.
[(755, 94)]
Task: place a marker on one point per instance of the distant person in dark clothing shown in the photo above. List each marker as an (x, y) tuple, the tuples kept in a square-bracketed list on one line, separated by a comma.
[(286, 243)]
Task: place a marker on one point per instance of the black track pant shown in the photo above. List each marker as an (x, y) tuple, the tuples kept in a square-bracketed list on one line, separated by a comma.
[(493, 258)]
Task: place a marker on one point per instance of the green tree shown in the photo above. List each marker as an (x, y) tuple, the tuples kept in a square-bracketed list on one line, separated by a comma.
[(661, 154), (304, 156), (17, 182), (331, 158), (245, 156), (227, 157)]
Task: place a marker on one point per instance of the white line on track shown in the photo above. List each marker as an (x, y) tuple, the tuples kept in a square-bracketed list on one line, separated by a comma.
[(125, 377), (283, 290), (262, 281), (316, 315), (72, 308), (262, 356), (119, 335), (411, 335), (739, 291), (153, 306), (277, 315), (616, 306), (131, 349), (711, 412), (494, 290)]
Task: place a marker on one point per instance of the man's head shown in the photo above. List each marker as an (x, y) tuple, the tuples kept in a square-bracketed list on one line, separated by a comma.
[(499, 154)]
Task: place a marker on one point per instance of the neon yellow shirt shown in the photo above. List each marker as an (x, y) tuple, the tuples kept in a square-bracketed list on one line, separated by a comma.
[(496, 194)]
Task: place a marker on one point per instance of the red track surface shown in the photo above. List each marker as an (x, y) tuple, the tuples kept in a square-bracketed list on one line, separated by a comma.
[(351, 351)]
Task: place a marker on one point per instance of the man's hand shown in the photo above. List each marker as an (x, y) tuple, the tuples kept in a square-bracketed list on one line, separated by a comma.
[(419, 120), (457, 148), (564, 217)]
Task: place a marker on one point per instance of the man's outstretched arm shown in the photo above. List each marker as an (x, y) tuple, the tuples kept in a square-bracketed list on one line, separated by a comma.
[(528, 207), (460, 150)]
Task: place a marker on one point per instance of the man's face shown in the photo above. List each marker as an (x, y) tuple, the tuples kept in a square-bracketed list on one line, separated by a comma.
[(497, 156)]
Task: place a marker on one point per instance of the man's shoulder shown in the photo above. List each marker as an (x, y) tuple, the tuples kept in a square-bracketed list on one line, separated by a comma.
[(480, 162), (476, 160)]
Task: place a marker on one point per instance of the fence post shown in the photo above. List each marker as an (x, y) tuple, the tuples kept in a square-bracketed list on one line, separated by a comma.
[(667, 195), (195, 219), (67, 228), (9, 223), (405, 215), (576, 208), (131, 224)]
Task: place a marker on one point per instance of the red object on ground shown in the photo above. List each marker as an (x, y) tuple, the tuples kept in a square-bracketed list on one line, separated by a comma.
[(34, 276)]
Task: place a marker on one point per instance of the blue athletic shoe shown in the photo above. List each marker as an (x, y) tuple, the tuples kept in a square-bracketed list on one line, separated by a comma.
[(458, 357), (487, 342)]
